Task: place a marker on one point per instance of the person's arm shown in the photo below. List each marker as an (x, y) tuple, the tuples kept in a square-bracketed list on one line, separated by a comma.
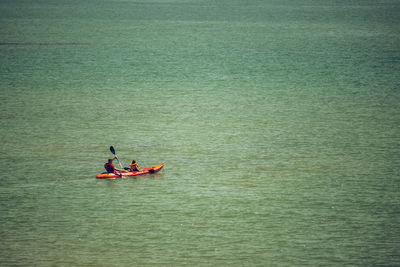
[(120, 170)]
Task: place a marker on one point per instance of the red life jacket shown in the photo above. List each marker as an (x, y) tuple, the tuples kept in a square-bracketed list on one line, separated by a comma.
[(110, 168)]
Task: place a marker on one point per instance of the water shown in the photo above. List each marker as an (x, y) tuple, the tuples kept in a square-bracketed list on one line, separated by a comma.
[(278, 122)]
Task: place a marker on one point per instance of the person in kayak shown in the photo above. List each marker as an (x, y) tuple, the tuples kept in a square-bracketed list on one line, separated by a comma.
[(110, 168), (134, 166)]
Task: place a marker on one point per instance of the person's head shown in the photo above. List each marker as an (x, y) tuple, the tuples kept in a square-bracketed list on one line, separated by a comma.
[(133, 161), (110, 160)]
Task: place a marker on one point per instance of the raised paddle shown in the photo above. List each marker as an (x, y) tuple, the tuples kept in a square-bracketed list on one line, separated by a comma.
[(113, 151)]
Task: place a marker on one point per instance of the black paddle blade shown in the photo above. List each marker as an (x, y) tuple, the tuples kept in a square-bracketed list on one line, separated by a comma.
[(112, 150)]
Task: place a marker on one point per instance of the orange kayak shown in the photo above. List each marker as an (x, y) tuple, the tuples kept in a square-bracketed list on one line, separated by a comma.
[(152, 169)]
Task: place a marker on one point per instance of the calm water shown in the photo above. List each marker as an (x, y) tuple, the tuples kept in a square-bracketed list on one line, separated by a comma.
[(278, 122)]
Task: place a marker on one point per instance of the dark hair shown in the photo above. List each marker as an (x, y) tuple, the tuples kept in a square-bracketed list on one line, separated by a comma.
[(133, 161)]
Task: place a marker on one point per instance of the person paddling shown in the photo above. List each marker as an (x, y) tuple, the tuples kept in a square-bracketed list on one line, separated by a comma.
[(110, 168)]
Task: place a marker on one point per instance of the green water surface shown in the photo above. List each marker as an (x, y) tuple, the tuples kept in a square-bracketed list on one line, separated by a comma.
[(278, 122)]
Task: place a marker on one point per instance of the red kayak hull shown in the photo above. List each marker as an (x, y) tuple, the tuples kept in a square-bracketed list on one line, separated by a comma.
[(152, 169)]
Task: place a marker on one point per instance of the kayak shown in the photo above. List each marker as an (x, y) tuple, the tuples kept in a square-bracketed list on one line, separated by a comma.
[(152, 169)]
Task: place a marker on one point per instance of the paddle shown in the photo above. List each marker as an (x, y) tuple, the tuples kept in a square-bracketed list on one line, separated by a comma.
[(113, 151)]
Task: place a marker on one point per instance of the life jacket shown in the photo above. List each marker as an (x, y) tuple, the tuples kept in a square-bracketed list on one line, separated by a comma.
[(110, 168), (134, 167)]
